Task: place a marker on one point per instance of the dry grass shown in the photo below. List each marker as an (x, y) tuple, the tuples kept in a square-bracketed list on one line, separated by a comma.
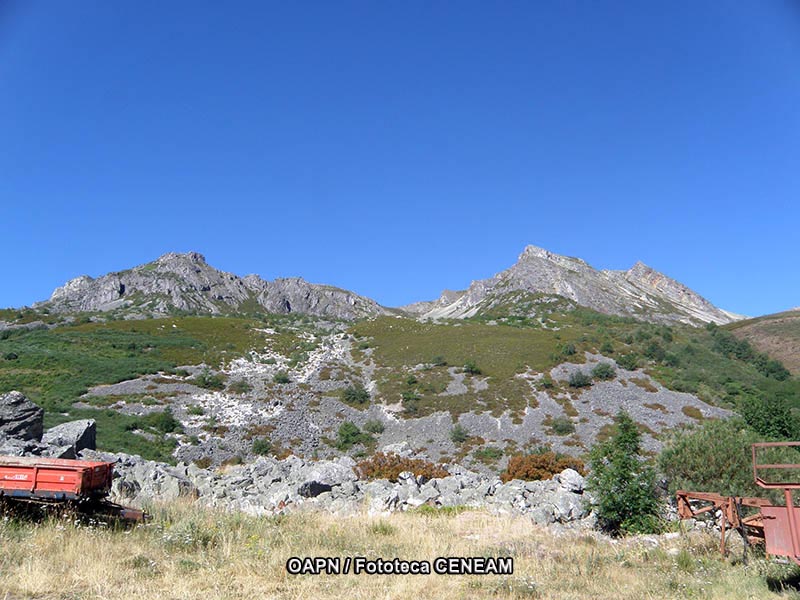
[(189, 553)]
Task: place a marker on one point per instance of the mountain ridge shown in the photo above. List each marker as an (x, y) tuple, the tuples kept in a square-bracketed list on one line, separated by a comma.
[(639, 292), (186, 282)]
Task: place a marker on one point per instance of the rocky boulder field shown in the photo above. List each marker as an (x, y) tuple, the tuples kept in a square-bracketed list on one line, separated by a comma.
[(270, 486)]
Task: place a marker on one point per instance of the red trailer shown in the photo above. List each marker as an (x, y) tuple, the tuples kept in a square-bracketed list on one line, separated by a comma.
[(79, 484)]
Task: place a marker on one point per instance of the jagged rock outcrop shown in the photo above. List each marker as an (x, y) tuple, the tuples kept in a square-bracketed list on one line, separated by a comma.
[(19, 417), (187, 282), (79, 435), (285, 295), (639, 292)]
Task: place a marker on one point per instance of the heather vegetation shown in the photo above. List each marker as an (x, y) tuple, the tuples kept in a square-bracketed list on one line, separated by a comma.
[(540, 465), (383, 465)]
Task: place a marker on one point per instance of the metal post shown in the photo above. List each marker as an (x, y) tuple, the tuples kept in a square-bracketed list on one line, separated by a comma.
[(787, 494)]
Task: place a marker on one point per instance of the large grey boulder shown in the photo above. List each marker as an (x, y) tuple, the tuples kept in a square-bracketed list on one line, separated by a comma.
[(319, 477), (571, 481), (11, 446), (19, 417), (80, 435)]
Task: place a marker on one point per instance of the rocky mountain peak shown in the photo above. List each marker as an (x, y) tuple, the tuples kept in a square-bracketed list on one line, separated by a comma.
[(532, 253), (172, 258), (187, 282), (640, 292)]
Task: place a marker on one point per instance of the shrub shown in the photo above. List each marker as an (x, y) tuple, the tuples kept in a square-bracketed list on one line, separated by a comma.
[(604, 371), (488, 454), (410, 403), (355, 394), (262, 446), (209, 380), (770, 417), (195, 410), (281, 377), (562, 426), (411, 380), (622, 485), (715, 457), (203, 463), (374, 426), (349, 435), (607, 348), (540, 465), (568, 349), (389, 466), (439, 361), (579, 379), (471, 368), (165, 422), (240, 386), (629, 361), (458, 434), (655, 351)]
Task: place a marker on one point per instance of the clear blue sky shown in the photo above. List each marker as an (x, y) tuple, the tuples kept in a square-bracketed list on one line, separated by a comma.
[(398, 148)]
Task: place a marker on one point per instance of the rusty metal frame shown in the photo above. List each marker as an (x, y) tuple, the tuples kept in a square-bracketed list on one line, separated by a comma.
[(777, 527), (750, 528), (784, 485)]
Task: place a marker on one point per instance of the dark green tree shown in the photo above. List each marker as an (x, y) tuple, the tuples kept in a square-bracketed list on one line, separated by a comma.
[(623, 486)]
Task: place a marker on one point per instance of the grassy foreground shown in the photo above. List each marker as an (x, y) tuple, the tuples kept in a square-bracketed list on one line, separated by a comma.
[(186, 552)]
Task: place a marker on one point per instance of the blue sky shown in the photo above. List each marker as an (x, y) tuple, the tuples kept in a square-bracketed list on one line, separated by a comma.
[(397, 149)]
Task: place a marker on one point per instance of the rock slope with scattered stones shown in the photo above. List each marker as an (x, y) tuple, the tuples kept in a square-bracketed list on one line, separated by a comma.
[(270, 486)]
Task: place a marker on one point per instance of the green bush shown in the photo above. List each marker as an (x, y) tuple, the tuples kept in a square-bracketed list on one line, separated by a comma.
[(458, 434), (579, 379), (770, 416), (655, 351), (410, 403), (209, 380), (622, 485), (715, 457), (374, 426), (604, 371), (195, 410), (262, 446), (165, 422), (629, 361), (349, 435), (562, 426), (488, 454), (606, 348), (569, 349), (471, 368), (240, 386), (281, 377), (355, 394)]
